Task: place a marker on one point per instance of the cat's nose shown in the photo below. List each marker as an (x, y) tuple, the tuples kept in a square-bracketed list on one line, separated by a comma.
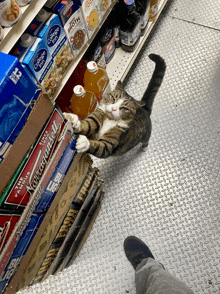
[(113, 109)]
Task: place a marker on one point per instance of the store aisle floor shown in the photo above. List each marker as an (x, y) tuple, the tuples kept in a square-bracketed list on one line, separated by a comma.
[(169, 195)]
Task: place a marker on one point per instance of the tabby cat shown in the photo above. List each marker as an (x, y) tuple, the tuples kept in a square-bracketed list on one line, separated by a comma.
[(120, 122)]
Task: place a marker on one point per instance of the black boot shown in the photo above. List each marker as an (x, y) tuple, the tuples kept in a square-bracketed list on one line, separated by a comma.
[(136, 250)]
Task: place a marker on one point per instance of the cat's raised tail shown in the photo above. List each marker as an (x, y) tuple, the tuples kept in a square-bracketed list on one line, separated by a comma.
[(155, 82)]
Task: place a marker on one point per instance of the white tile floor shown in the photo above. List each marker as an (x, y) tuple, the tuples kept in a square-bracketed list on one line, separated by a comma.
[(168, 196)]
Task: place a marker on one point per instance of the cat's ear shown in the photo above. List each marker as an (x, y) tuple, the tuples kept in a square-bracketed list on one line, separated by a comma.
[(119, 86)]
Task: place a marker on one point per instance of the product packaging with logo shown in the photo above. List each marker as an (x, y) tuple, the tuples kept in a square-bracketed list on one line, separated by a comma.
[(70, 14), (18, 91), (39, 61), (54, 36), (20, 249), (92, 14), (31, 173), (56, 169)]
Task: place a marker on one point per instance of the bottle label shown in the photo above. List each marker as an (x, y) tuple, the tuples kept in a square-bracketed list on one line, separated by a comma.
[(130, 38), (109, 48)]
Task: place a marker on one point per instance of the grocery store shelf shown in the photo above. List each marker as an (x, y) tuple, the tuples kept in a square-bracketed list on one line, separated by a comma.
[(12, 34), (75, 62), (120, 65)]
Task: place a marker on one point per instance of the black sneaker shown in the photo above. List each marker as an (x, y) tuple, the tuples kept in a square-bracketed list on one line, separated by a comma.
[(136, 250)]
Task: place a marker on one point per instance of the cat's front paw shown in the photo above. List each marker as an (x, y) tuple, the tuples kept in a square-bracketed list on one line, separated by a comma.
[(74, 119), (82, 144)]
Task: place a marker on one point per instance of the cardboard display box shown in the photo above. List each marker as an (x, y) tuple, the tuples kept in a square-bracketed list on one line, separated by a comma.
[(40, 113), (39, 247)]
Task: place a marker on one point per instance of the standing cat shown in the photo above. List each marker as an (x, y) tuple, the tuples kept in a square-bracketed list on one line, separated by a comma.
[(120, 122)]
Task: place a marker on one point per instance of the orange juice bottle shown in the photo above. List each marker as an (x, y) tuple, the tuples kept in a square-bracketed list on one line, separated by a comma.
[(153, 9), (96, 80), (83, 102)]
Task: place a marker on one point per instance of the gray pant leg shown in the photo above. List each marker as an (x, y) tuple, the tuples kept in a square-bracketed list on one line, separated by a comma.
[(152, 278)]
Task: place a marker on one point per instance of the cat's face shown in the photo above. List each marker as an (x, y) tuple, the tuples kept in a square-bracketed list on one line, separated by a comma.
[(119, 105)]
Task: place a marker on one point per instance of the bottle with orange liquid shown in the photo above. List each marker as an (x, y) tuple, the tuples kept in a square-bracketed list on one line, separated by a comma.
[(96, 80), (83, 102), (153, 9)]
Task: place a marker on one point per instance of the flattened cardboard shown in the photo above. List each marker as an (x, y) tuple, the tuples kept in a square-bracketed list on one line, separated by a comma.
[(32, 260), (36, 120)]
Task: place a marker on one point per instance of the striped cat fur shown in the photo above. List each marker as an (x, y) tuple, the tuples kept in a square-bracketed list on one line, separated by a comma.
[(120, 122)]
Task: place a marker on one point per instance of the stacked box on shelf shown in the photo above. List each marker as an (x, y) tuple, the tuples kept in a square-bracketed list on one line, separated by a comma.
[(18, 91), (93, 12), (70, 219), (53, 219), (50, 55), (43, 196), (21, 188), (71, 17)]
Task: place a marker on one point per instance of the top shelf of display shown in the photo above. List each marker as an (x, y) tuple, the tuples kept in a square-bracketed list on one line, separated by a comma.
[(12, 34)]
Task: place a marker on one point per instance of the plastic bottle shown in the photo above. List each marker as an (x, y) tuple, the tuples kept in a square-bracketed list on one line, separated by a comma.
[(96, 80), (143, 8), (130, 27), (108, 40), (21, 47), (83, 102), (153, 9)]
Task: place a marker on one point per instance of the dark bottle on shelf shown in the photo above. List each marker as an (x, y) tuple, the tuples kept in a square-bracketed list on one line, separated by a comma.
[(107, 39), (130, 27), (114, 19), (143, 8)]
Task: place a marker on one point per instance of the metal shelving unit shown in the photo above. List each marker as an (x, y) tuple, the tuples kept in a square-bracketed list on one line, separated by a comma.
[(12, 34), (122, 61)]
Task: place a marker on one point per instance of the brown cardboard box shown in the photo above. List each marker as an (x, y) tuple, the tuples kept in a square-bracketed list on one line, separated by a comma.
[(32, 260), (36, 120)]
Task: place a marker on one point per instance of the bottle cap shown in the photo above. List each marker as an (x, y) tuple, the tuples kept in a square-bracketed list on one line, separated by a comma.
[(26, 40), (79, 90), (42, 15), (129, 2), (92, 66)]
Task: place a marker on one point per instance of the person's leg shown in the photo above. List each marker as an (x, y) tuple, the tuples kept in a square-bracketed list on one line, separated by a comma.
[(150, 275)]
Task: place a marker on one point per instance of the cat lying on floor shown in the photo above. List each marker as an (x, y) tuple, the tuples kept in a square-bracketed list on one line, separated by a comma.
[(120, 122)]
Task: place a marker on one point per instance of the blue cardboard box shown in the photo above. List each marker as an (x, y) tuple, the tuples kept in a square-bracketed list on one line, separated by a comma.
[(54, 35), (18, 92), (20, 249), (38, 60)]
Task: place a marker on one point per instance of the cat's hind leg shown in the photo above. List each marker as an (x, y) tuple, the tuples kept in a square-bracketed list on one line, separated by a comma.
[(144, 146)]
